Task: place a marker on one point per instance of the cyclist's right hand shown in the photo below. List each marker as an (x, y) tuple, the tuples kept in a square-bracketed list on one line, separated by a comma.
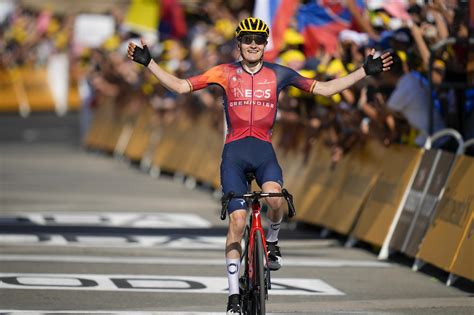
[(138, 54)]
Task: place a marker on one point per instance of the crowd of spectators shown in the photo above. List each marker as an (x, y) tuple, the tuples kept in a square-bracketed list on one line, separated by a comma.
[(401, 106)]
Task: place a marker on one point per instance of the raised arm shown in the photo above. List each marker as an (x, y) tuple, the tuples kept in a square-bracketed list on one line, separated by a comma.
[(371, 66), (420, 43), (169, 81)]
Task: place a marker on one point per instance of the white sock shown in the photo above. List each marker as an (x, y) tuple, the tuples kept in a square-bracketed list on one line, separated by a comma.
[(233, 273), (273, 230)]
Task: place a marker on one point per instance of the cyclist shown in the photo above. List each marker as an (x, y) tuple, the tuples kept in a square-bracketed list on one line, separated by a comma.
[(251, 87)]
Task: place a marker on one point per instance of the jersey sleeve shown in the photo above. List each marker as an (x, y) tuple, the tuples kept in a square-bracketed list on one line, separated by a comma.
[(291, 77), (215, 75)]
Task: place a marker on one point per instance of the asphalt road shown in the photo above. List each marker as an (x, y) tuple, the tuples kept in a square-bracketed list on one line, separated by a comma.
[(85, 233)]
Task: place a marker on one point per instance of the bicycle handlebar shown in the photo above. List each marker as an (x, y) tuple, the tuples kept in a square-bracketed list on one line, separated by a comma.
[(257, 195)]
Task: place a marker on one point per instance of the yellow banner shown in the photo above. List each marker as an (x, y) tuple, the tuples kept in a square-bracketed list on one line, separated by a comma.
[(143, 15), (8, 97), (397, 168), (451, 225)]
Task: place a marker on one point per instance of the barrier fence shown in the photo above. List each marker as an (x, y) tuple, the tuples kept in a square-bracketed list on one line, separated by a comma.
[(418, 201), (27, 90)]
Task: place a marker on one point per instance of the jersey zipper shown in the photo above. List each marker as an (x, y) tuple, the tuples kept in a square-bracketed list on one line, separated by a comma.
[(251, 108)]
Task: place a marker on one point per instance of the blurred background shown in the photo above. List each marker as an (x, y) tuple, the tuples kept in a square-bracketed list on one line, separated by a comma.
[(69, 58)]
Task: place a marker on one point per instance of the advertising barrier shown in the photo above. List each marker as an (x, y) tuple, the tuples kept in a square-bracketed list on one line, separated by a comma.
[(422, 200), (355, 181), (451, 225), (210, 164), (312, 205), (27, 89), (171, 151), (101, 116), (140, 137), (415, 213), (37, 89), (390, 191), (463, 263), (9, 100)]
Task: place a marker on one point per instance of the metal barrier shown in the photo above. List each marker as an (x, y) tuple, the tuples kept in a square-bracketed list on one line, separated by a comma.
[(416, 210), (468, 143), (445, 133)]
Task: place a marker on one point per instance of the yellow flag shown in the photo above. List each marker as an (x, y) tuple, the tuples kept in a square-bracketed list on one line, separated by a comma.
[(143, 15)]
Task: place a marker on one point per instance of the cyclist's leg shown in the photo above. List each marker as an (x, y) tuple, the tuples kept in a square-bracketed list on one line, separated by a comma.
[(276, 210), (233, 251), (270, 178), (233, 179)]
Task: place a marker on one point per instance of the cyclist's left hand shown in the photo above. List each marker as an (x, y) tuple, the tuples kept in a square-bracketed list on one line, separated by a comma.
[(379, 64), (138, 54)]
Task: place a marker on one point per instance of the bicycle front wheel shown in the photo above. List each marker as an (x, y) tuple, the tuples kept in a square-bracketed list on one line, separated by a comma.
[(259, 286)]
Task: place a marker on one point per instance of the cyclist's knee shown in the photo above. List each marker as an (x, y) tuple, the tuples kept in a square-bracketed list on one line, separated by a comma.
[(275, 203), (273, 187), (237, 221)]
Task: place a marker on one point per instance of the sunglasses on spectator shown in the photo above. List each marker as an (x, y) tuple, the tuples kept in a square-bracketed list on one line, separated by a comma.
[(248, 39)]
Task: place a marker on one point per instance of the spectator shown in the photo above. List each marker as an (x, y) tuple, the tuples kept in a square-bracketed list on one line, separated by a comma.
[(411, 98)]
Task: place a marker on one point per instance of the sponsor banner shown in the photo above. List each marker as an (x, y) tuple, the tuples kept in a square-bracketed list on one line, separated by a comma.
[(428, 205), (112, 219), (352, 185), (141, 136), (378, 212), (449, 228), (37, 89), (421, 202), (9, 99), (463, 263), (149, 283)]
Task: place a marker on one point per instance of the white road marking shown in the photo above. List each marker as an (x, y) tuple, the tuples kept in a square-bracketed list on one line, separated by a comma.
[(200, 242), (38, 201), (116, 219), (45, 312), (291, 262), (149, 283), (15, 312), (19, 312)]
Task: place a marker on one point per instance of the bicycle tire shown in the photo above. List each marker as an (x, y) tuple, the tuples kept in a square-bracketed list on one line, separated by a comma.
[(260, 285), (246, 299)]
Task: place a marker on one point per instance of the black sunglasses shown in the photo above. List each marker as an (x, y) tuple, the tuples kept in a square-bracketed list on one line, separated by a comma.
[(248, 39)]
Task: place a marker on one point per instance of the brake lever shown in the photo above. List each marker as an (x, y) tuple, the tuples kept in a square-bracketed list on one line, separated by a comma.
[(289, 200), (225, 203)]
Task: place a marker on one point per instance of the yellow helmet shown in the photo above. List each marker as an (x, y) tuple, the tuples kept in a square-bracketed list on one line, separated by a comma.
[(252, 25)]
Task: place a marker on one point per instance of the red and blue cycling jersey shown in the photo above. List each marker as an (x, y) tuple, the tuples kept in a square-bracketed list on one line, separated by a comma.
[(250, 100)]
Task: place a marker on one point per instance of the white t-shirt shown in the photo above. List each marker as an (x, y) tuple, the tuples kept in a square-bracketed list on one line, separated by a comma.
[(411, 97)]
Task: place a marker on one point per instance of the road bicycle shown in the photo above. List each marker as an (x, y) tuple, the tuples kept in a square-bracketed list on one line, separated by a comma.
[(255, 278)]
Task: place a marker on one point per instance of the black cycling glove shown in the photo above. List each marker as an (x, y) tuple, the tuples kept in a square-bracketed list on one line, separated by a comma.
[(373, 66), (142, 55)]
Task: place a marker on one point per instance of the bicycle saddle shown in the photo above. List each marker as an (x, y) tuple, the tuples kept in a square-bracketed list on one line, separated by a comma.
[(250, 176)]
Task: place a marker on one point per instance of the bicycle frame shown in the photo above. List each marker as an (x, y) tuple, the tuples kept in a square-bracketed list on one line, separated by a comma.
[(255, 225)]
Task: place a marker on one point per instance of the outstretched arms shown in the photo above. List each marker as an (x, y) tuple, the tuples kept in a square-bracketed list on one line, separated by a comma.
[(371, 66), (142, 56)]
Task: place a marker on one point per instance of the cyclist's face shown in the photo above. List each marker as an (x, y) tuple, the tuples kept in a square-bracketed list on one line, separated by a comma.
[(252, 47)]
